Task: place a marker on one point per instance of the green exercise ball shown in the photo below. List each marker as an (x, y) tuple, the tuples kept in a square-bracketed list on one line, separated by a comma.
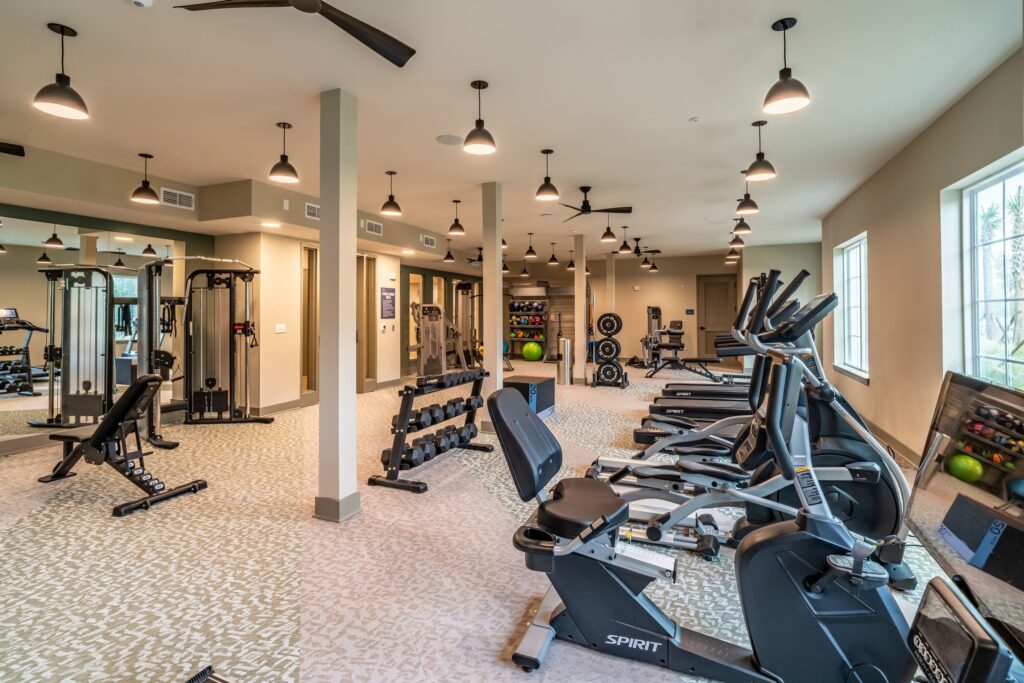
[(965, 468), (532, 351)]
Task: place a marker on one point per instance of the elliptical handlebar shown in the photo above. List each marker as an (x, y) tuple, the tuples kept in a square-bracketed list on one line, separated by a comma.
[(787, 293), (741, 318), (763, 302)]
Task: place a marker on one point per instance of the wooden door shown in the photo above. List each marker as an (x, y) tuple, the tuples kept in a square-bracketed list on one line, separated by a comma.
[(716, 310)]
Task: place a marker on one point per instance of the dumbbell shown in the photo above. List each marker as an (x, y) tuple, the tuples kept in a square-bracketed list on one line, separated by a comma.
[(437, 412), (441, 442), (412, 455), (422, 417), (24, 387), (468, 432), (454, 406), (452, 433), (474, 403), (423, 445)]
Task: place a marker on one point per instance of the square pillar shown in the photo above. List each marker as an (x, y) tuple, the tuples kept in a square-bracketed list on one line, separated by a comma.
[(609, 285), (337, 490), (493, 313), (579, 351)]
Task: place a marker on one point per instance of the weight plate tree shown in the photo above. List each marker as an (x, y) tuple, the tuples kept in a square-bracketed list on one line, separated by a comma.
[(609, 371)]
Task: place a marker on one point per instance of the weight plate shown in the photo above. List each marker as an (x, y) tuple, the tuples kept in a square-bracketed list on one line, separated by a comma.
[(609, 373), (608, 349), (609, 324)]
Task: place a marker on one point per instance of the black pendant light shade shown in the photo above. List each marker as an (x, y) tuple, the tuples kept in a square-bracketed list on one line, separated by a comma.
[(504, 267), (3, 249), (504, 244), (149, 250), (741, 227), (44, 259), (53, 241), (572, 264), (553, 261), (119, 263), (479, 140), (456, 227), (391, 207), (645, 263), (760, 169), (608, 235), (587, 271), (144, 194), (737, 242), (530, 253), (524, 272), (624, 247), (449, 258), (733, 253), (283, 171), (59, 98), (747, 206), (788, 94), (547, 192), (653, 268)]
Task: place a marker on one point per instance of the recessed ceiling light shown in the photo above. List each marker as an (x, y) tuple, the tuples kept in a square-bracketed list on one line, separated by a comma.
[(408, 252), (270, 224), (545, 215), (449, 139), (121, 238), (694, 119)]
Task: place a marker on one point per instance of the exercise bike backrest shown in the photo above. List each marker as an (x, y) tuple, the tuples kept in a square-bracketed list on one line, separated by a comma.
[(531, 450)]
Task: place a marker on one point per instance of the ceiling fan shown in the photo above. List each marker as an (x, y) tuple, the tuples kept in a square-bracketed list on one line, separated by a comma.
[(638, 252), (391, 49), (478, 259), (585, 210), (11, 148)]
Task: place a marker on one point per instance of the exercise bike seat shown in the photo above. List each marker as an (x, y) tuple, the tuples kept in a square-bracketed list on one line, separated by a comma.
[(723, 470), (576, 503)]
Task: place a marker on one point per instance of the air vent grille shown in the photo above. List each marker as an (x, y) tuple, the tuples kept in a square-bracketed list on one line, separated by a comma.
[(375, 228), (429, 241), (178, 199), (312, 211)]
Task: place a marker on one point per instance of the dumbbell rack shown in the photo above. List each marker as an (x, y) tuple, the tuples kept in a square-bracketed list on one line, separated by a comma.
[(404, 424), (19, 375)]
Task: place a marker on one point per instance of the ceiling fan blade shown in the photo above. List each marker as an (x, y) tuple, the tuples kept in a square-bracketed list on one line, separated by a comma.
[(12, 149), (391, 49), (574, 208), (571, 217), (617, 209), (231, 4)]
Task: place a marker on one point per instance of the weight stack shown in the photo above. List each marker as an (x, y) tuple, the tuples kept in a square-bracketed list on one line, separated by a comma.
[(609, 371)]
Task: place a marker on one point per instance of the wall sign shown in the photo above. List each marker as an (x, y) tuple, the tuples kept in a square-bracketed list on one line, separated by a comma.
[(387, 303)]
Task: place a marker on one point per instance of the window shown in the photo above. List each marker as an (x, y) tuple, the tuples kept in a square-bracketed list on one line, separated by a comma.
[(851, 320), (995, 312), (125, 314)]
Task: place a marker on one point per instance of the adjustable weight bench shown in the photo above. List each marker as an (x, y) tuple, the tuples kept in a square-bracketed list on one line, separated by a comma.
[(698, 366), (108, 442)]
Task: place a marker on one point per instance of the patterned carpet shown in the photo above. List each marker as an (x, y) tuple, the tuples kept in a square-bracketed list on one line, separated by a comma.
[(414, 588)]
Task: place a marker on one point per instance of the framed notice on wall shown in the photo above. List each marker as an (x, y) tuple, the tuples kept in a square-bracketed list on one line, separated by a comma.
[(387, 303)]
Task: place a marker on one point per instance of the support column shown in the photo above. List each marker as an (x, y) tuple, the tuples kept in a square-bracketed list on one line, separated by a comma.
[(87, 255), (579, 313), (609, 285), (337, 490), (493, 315)]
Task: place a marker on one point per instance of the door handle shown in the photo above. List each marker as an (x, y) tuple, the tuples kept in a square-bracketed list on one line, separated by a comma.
[(702, 328)]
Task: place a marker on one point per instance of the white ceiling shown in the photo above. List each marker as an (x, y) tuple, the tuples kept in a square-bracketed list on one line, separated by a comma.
[(610, 85)]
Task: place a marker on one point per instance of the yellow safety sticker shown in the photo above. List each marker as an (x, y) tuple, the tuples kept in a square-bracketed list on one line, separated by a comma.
[(802, 468)]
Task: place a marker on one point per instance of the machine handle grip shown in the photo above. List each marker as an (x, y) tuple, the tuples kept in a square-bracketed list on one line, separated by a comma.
[(788, 292), (773, 423), (767, 292), (620, 474), (748, 298)]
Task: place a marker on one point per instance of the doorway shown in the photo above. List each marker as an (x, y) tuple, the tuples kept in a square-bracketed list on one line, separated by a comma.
[(716, 310), (366, 323), (310, 361)]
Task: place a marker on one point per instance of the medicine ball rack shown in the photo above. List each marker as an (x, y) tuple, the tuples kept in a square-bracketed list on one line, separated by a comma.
[(528, 322), (404, 455), (609, 371)]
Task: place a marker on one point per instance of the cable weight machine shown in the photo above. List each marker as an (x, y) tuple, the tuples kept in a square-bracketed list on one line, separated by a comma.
[(219, 338)]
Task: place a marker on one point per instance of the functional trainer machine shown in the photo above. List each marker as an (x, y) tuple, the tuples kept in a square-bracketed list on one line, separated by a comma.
[(157, 323), (110, 442), (219, 338), (86, 353)]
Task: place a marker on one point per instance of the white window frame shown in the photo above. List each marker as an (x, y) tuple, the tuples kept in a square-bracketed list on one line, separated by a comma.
[(846, 315), (972, 297)]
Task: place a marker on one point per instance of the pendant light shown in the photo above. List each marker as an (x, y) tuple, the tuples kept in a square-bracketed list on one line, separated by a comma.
[(144, 194), (391, 207), (760, 169), (284, 172), (608, 235), (585, 263), (59, 98), (524, 272), (645, 263), (456, 227), (737, 242), (530, 253), (479, 140), (741, 227), (733, 253), (44, 260), (572, 264), (547, 192), (149, 250), (448, 258), (636, 249), (653, 268), (504, 267), (624, 247), (788, 94), (553, 261), (747, 206), (53, 241), (3, 249)]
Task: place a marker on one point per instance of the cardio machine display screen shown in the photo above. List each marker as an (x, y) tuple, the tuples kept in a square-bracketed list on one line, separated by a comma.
[(939, 641), (8, 313)]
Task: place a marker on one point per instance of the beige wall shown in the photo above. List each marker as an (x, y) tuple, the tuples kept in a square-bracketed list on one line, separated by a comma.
[(790, 259), (280, 304), (900, 208), (388, 332)]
